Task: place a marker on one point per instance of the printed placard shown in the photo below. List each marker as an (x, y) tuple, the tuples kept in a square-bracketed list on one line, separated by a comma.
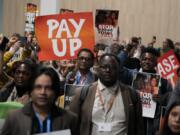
[(106, 23), (147, 85), (62, 36), (167, 67), (31, 12), (70, 91)]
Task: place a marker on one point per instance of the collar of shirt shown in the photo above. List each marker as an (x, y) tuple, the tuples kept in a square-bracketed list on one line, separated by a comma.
[(87, 76), (111, 89), (47, 121)]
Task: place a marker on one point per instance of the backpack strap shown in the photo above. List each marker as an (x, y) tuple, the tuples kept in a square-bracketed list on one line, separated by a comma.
[(83, 94), (134, 96)]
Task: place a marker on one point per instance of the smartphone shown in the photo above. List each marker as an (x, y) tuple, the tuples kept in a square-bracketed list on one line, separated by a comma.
[(23, 41)]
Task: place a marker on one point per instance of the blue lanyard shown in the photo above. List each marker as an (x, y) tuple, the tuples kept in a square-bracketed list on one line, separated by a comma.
[(48, 123)]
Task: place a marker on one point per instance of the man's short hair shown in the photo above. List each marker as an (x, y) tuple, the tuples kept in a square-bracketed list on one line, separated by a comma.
[(110, 55), (27, 62), (150, 50), (86, 50)]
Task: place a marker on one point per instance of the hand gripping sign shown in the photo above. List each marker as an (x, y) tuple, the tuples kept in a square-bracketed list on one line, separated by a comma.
[(61, 36)]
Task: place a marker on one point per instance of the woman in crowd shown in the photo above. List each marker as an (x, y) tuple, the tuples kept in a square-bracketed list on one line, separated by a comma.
[(171, 125)]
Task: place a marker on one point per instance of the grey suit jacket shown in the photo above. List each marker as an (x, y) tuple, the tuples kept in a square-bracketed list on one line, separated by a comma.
[(19, 122), (132, 106)]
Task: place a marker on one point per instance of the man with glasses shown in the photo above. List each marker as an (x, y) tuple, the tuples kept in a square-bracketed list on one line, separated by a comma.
[(82, 75), (110, 107)]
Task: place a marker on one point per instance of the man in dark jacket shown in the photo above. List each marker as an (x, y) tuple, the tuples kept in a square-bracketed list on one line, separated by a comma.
[(109, 106), (148, 64)]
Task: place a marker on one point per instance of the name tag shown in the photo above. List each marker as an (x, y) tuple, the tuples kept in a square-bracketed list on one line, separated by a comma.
[(106, 127)]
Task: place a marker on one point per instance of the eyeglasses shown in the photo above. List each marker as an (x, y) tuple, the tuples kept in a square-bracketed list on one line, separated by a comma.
[(38, 87), (84, 58)]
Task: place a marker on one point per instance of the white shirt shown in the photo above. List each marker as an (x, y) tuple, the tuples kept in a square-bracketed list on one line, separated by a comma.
[(116, 115)]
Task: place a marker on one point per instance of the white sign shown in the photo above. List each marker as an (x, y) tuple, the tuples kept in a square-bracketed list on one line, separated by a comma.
[(61, 132)]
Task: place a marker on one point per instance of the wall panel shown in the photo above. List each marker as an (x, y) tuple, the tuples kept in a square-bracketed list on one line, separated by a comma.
[(14, 15), (143, 18)]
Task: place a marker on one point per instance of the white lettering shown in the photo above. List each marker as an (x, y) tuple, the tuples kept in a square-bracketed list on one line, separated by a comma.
[(63, 27), (55, 47), (161, 69), (53, 24), (75, 44), (172, 61), (167, 65), (76, 26)]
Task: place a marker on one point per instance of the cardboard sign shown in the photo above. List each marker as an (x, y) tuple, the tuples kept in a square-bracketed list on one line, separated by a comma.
[(167, 66), (31, 12), (61, 36), (64, 11), (70, 91), (5, 108), (106, 22), (147, 85)]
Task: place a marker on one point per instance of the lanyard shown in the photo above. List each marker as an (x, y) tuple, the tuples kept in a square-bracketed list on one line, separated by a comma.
[(109, 103), (48, 123)]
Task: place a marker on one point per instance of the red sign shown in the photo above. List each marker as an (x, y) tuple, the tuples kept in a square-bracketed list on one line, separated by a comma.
[(167, 66), (61, 36)]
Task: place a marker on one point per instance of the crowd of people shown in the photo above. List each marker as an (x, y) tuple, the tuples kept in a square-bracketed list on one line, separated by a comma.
[(108, 106)]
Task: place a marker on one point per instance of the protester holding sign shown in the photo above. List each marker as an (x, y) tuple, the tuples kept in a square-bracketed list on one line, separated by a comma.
[(41, 115), (148, 64)]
